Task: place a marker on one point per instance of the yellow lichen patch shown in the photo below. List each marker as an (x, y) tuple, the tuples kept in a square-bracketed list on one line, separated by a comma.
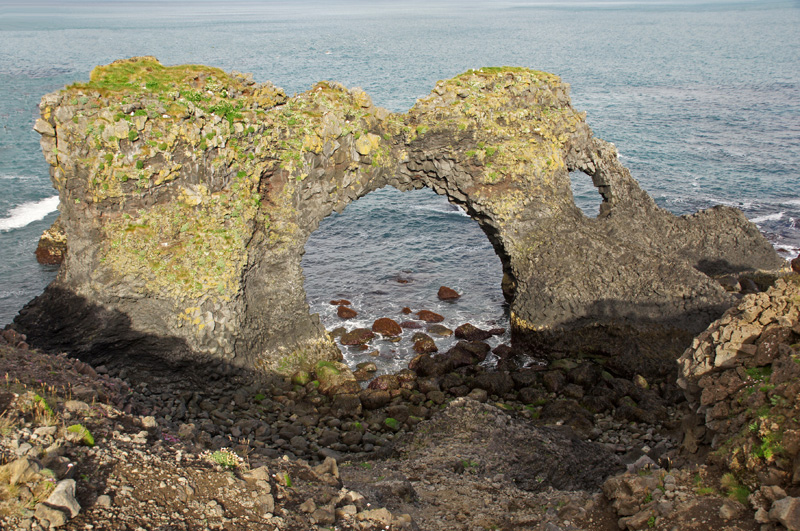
[(518, 323), (519, 120), (365, 144), (312, 143)]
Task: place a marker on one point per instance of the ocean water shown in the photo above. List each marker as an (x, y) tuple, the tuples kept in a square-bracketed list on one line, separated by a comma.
[(702, 99)]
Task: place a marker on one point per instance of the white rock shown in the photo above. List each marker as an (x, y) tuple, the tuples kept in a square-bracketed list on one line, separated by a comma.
[(63, 497)]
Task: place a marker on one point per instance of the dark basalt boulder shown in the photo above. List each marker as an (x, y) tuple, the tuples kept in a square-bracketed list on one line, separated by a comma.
[(472, 333), (429, 316), (359, 336), (447, 294), (346, 312), (385, 382), (386, 327)]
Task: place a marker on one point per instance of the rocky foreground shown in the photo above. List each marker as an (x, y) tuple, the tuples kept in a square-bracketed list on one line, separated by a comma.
[(569, 446)]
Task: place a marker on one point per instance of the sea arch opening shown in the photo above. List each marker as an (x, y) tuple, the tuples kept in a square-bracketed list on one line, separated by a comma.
[(585, 194), (391, 250)]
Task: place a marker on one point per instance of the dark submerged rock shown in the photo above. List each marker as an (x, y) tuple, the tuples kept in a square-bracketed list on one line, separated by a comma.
[(447, 294), (429, 316), (345, 312), (359, 336), (471, 333)]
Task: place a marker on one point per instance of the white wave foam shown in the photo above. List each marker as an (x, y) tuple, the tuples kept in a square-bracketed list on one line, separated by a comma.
[(8, 177), (27, 213), (768, 217)]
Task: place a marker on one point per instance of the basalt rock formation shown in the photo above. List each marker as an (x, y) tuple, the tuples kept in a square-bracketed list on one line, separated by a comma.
[(187, 196), (741, 377)]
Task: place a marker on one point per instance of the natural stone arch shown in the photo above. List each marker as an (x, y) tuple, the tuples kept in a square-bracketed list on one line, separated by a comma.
[(188, 208), (582, 184)]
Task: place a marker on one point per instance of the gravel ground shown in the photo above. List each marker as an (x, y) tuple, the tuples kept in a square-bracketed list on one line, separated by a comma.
[(219, 451)]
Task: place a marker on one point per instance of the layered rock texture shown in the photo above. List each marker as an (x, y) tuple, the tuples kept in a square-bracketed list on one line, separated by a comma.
[(187, 196), (742, 378)]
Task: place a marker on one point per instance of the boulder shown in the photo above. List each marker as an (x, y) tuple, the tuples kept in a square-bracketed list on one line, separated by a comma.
[(387, 327), (346, 404), (439, 330), (503, 351), (335, 378), (495, 383), (374, 398), (447, 294), (787, 512), (52, 247), (471, 333), (359, 336), (367, 366), (425, 344), (346, 312), (21, 470), (429, 316), (385, 382), (63, 498)]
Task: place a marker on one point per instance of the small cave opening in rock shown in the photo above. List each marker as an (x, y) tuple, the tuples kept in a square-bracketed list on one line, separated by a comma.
[(392, 250), (585, 194)]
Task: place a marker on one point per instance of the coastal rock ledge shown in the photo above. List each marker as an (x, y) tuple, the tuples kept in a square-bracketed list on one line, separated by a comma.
[(188, 194)]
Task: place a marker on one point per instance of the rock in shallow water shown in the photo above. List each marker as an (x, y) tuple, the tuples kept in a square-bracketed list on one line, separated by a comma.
[(345, 312), (386, 327), (472, 333), (447, 294), (359, 336), (429, 316)]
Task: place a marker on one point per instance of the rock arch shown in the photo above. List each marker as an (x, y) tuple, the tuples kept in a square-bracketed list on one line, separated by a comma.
[(188, 194)]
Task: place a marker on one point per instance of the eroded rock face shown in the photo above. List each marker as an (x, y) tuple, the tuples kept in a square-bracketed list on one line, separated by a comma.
[(742, 378), (52, 245), (188, 194)]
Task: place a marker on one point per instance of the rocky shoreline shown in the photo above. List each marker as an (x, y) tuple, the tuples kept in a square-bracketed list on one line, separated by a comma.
[(567, 446), (207, 396)]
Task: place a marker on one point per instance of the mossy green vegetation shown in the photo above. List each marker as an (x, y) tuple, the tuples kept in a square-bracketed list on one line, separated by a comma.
[(140, 74), (520, 121), (86, 436)]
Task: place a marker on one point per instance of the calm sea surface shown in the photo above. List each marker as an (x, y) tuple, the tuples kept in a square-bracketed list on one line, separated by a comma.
[(702, 100)]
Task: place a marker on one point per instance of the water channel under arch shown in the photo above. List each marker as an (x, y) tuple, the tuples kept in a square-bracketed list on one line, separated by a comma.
[(393, 249)]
